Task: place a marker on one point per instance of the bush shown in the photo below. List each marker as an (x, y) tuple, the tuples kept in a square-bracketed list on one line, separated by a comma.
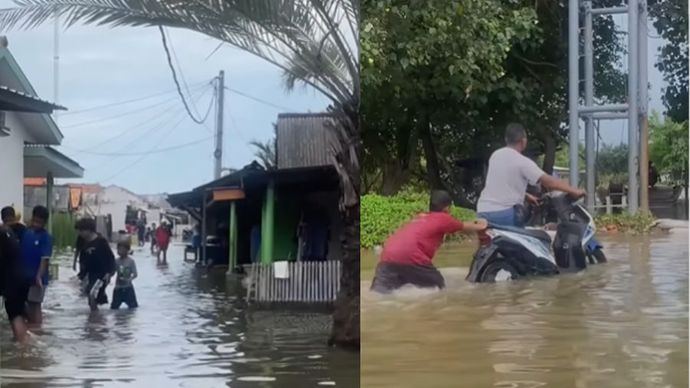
[(381, 216), (625, 222)]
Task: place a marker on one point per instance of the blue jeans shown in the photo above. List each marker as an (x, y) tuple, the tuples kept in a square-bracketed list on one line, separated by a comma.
[(502, 217)]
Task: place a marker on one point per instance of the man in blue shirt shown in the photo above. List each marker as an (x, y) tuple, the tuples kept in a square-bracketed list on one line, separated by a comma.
[(37, 248)]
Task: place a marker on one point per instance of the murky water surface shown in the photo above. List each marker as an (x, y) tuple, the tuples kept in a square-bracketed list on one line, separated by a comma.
[(190, 331), (623, 324)]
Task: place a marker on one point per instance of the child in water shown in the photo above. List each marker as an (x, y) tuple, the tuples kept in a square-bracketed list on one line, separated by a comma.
[(407, 254), (126, 272)]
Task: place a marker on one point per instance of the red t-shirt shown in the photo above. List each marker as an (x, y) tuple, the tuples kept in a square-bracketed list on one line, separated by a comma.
[(162, 236), (418, 241)]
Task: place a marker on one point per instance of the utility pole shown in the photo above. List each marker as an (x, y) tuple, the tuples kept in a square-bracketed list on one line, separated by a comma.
[(644, 105), (218, 153), (634, 109), (56, 62)]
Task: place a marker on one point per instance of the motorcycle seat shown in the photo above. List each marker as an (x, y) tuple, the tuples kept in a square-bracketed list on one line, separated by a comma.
[(536, 233)]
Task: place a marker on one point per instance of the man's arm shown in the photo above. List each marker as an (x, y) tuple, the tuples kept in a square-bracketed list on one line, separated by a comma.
[(552, 183), (475, 226)]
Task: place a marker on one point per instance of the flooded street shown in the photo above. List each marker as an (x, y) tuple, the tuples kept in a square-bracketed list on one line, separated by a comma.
[(622, 324), (190, 331)]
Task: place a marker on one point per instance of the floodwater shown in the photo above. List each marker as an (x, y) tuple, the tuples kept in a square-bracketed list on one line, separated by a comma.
[(190, 331), (621, 324)]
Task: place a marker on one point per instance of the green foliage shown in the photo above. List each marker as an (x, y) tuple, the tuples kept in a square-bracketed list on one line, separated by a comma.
[(668, 148), (381, 216), (64, 234), (671, 21), (461, 71), (613, 160), (640, 222)]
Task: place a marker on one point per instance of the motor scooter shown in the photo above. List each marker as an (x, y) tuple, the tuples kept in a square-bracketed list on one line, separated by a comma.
[(509, 253)]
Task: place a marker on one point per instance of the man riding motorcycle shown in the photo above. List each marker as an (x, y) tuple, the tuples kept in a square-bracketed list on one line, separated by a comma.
[(510, 172)]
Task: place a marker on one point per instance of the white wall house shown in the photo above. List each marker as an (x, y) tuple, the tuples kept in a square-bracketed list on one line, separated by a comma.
[(26, 133)]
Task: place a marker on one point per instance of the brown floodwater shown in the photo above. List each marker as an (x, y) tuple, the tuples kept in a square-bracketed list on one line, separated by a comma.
[(192, 330), (620, 324)]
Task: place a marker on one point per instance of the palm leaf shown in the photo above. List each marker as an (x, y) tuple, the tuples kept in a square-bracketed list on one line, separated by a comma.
[(302, 36)]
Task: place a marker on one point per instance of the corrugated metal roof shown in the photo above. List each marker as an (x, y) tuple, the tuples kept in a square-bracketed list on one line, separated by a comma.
[(303, 140), (29, 98)]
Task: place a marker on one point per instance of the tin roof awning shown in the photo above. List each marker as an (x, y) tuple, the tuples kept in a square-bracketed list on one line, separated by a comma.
[(16, 101), (40, 160)]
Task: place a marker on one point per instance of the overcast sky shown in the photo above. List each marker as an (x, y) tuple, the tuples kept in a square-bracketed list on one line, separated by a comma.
[(101, 66)]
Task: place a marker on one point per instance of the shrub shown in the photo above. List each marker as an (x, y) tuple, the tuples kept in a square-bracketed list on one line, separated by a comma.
[(640, 222), (381, 216)]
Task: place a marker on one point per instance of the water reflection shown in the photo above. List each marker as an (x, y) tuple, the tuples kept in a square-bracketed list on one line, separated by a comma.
[(190, 331), (623, 324)]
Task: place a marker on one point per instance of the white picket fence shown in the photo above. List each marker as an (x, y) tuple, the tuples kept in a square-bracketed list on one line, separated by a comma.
[(307, 282)]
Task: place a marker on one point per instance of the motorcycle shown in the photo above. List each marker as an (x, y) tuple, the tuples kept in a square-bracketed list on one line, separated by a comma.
[(509, 253)]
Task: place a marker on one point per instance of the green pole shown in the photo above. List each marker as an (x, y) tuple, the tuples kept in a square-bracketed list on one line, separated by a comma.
[(233, 235), (267, 226)]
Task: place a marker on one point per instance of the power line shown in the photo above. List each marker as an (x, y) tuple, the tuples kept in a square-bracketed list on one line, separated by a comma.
[(142, 157), (137, 126), (184, 81), (151, 130), (117, 116), (152, 151), (124, 102), (174, 74), (243, 94)]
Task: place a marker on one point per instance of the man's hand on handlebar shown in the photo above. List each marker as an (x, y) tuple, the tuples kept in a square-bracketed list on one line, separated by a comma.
[(532, 200), (578, 193)]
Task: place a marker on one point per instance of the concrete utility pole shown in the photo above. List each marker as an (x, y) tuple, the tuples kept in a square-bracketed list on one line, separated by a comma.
[(644, 108), (218, 153), (56, 63), (634, 109)]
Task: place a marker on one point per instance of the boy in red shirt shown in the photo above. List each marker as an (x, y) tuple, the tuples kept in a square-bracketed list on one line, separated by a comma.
[(407, 254)]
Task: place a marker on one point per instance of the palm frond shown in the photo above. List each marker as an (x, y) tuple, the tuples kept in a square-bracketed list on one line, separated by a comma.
[(285, 33)]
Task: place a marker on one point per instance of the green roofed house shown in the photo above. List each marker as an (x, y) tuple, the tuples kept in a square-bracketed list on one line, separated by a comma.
[(281, 225), (27, 134)]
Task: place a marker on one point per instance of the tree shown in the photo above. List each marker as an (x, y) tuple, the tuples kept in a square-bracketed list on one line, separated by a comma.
[(671, 22), (442, 80), (266, 153), (314, 42), (613, 160), (668, 148)]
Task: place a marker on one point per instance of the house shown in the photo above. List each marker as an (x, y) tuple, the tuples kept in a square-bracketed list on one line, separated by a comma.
[(255, 218), (27, 134)]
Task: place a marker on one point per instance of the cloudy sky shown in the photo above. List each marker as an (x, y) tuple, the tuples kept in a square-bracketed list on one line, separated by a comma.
[(102, 66)]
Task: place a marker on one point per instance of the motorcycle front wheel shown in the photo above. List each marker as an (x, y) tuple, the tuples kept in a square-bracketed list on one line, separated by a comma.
[(499, 270)]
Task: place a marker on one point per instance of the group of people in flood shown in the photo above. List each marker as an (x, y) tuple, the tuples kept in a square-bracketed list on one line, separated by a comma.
[(25, 254), (406, 258)]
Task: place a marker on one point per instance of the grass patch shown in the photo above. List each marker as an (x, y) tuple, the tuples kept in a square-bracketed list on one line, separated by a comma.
[(64, 234), (381, 216)]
